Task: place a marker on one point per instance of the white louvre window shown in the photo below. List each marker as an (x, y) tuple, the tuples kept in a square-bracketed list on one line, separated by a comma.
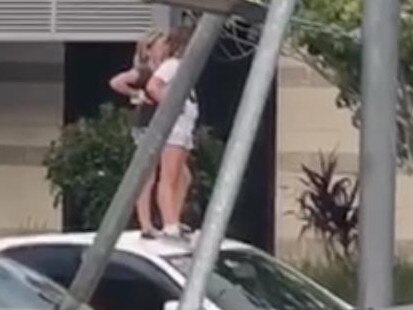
[(17, 16), (74, 20)]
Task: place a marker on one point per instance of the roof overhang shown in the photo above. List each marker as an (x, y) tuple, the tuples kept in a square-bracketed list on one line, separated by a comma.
[(252, 11)]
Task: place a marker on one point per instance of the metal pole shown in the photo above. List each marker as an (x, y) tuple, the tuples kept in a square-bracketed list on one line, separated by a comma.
[(237, 152), (378, 151), (144, 160)]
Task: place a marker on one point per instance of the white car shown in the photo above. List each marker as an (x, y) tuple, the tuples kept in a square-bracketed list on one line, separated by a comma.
[(150, 274)]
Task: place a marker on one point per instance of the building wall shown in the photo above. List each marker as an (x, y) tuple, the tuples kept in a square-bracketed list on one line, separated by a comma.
[(31, 113), (310, 122)]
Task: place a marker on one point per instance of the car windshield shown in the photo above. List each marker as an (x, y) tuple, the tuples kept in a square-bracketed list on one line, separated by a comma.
[(21, 288), (251, 280)]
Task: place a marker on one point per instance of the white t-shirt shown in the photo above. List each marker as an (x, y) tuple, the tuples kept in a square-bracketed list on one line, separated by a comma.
[(165, 72), (182, 132)]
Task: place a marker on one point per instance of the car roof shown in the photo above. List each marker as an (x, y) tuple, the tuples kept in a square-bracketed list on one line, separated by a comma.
[(129, 241)]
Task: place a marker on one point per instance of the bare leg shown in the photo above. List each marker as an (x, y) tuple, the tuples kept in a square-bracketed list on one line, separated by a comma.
[(185, 180), (172, 163), (143, 205)]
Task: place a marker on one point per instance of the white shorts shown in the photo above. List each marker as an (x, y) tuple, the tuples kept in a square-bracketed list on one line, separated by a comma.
[(182, 134)]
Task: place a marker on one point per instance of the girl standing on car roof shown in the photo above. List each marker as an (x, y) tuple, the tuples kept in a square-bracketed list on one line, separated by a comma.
[(150, 54), (174, 157)]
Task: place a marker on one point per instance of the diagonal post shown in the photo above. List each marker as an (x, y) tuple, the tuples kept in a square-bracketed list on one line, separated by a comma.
[(237, 152), (144, 161)]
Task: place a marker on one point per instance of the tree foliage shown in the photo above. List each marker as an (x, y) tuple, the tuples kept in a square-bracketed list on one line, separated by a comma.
[(327, 36), (86, 164)]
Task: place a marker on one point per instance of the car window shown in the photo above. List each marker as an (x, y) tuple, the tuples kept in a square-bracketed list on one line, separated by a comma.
[(129, 282), (22, 288), (58, 262), (248, 280)]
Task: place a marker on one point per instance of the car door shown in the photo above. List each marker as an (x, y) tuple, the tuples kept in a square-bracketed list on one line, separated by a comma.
[(130, 282)]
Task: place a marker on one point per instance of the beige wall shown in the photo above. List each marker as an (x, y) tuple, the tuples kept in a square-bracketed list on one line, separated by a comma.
[(31, 112), (309, 122)]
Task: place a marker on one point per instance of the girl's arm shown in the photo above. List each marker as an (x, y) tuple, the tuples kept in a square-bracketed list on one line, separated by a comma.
[(122, 82), (156, 89), (157, 85)]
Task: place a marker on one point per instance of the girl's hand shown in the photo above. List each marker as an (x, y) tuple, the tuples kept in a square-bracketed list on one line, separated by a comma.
[(140, 97)]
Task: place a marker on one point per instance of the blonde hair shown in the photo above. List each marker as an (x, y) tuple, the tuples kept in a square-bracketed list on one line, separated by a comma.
[(178, 39), (144, 45)]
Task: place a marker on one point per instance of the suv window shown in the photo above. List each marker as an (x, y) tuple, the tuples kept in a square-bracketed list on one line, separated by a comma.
[(129, 282)]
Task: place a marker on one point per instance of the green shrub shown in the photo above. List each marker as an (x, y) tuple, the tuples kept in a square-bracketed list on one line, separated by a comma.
[(204, 163), (86, 164), (341, 279)]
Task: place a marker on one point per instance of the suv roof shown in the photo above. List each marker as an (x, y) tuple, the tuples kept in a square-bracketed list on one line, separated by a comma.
[(129, 241)]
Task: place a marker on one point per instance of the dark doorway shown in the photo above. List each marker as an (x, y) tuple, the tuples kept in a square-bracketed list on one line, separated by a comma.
[(219, 91), (88, 68)]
